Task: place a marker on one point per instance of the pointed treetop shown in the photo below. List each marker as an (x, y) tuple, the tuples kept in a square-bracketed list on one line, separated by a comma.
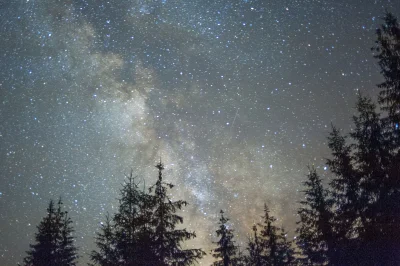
[(160, 166)]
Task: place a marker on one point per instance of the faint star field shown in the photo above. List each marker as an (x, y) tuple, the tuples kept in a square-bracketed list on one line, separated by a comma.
[(236, 96)]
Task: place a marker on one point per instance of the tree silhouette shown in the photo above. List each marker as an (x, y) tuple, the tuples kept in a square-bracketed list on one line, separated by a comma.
[(388, 49), (125, 240), (226, 250), (143, 231), (166, 239), (255, 249), (286, 253), (276, 250), (67, 250), (345, 185), (132, 225), (387, 206), (315, 236), (108, 254), (54, 243)]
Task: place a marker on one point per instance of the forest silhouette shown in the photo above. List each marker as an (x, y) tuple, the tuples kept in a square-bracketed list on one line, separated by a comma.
[(353, 220)]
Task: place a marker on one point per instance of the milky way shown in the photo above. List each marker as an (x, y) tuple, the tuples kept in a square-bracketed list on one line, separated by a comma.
[(237, 97)]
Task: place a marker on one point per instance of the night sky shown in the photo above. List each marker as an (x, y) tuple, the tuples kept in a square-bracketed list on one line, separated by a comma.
[(237, 97)]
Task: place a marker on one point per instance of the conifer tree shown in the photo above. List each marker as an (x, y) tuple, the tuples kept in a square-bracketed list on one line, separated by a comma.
[(276, 250), (240, 259), (366, 187), (125, 240), (254, 249), (108, 254), (345, 185), (131, 224), (226, 250), (67, 250), (286, 253), (388, 49), (167, 239), (315, 236), (379, 184), (387, 205), (54, 244)]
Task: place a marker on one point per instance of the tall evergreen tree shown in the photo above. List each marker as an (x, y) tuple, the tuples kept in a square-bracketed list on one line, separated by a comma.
[(132, 225), (108, 254), (167, 239), (125, 240), (54, 244), (276, 249), (255, 249), (143, 231), (315, 236), (379, 166), (226, 250), (67, 250), (345, 185), (285, 252), (361, 188), (388, 54)]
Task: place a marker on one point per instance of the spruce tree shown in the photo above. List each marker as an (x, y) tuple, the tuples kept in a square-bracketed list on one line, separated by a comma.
[(67, 250), (226, 250), (254, 249), (130, 224), (108, 254), (345, 185), (286, 253), (276, 249), (125, 239), (387, 206), (167, 239), (388, 54), (54, 244), (315, 236)]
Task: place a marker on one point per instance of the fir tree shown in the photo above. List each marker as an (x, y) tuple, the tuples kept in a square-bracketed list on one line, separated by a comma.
[(387, 205), (166, 239), (345, 185), (388, 49), (379, 184), (286, 253), (54, 243), (240, 259), (125, 240), (108, 254), (276, 250), (315, 236), (254, 249), (132, 225), (226, 250), (67, 250)]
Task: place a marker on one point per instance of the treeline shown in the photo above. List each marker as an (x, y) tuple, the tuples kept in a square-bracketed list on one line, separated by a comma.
[(354, 220)]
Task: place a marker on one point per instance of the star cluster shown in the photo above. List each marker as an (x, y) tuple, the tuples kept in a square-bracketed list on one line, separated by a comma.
[(236, 96)]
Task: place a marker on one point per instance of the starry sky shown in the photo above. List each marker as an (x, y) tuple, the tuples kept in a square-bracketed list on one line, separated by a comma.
[(236, 96)]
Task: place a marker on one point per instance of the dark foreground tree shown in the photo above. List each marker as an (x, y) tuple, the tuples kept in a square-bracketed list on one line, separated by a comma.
[(387, 205), (125, 239), (54, 243), (226, 249), (388, 54), (143, 231), (167, 239), (107, 254), (315, 236), (276, 249), (255, 249)]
